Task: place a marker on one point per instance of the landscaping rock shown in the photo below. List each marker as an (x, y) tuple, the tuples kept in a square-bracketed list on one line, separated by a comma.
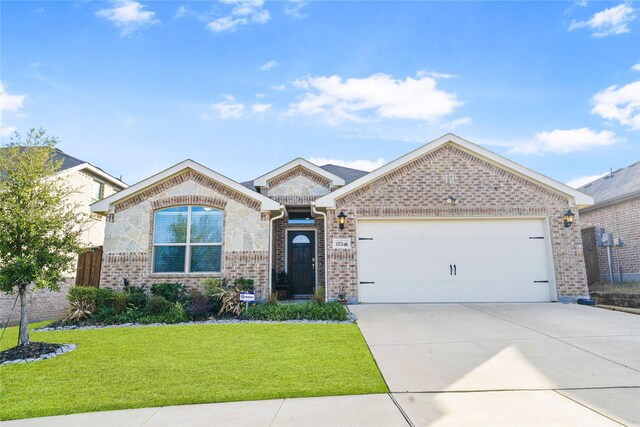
[(33, 352)]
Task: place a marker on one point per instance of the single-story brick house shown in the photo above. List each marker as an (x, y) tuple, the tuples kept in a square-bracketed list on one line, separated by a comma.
[(448, 222), (617, 211)]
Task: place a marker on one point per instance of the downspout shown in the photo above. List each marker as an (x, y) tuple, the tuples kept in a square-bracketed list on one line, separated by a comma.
[(326, 243), (283, 210)]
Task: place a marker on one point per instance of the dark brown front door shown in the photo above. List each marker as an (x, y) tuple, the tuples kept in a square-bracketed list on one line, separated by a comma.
[(590, 252), (301, 257)]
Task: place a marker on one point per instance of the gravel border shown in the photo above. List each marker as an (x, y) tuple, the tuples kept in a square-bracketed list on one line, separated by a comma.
[(66, 348), (351, 318)]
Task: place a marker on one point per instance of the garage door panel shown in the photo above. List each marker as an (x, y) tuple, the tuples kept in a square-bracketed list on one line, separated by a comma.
[(496, 260)]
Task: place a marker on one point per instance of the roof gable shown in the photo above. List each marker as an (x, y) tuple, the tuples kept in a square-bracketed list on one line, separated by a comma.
[(580, 199), (263, 180), (106, 205)]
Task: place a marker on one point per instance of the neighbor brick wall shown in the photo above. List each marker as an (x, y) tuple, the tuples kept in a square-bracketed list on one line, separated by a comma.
[(43, 304), (623, 221), (420, 188)]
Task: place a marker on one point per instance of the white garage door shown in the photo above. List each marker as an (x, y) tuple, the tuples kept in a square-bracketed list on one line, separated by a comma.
[(465, 260)]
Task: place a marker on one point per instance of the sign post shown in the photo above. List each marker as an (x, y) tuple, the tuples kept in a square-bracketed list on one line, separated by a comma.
[(247, 297)]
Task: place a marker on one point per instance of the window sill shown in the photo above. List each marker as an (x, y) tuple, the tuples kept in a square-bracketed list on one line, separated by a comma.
[(186, 275)]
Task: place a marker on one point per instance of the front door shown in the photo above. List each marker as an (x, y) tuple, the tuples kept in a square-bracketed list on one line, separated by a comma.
[(301, 260)]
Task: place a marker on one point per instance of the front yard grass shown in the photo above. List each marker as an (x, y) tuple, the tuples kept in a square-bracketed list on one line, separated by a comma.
[(121, 368)]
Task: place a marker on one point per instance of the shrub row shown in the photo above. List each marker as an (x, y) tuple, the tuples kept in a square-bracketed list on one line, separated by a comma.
[(298, 311)]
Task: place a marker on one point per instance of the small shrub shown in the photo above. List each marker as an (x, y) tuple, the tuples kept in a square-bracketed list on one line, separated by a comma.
[(105, 297), (79, 310), (244, 285), (172, 292), (318, 295), (230, 301), (136, 296), (83, 294), (199, 307), (175, 314), (272, 299), (157, 305), (121, 303)]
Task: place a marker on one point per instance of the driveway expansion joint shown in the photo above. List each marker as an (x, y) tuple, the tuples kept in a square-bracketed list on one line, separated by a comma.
[(589, 408), (404, 414)]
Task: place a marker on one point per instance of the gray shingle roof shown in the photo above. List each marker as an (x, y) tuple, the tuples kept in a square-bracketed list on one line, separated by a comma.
[(348, 174), (68, 161), (620, 184)]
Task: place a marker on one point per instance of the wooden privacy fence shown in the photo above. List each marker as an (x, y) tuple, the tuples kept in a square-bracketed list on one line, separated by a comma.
[(88, 270)]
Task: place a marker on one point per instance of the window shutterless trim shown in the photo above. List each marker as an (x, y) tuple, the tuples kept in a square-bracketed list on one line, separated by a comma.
[(187, 245)]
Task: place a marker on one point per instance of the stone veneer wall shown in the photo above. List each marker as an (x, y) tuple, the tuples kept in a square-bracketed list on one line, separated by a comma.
[(43, 304), (420, 189), (128, 245), (280, 227), (623, 221)]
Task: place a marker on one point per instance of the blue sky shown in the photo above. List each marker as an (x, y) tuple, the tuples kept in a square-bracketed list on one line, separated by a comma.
[(245, 86)]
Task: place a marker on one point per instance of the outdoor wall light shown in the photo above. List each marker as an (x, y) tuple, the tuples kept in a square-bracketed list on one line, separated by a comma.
[(452, 200), (568, 218), (342, 218)]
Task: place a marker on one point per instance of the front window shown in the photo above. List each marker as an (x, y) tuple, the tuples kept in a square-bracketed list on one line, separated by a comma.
[(187, 239)]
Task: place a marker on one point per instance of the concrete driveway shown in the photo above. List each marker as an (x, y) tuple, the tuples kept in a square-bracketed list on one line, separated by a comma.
[(507, 364)]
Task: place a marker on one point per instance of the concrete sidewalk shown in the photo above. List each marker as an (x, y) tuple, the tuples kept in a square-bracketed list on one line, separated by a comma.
[(524, 408)]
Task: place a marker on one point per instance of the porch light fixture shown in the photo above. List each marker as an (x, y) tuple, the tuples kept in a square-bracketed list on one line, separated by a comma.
[(342, 218), (568, 218), (452, 200)]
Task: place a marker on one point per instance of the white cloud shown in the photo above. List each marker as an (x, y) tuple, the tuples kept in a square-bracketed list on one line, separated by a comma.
[(435, 75), (260, 108), (608, 22), (565, 141), (182, 12), (376, 97), (636, 67), (10, 102), (243, 12), (583, 180), (365, 165), (7, 130), (269, 65), (227, 109), (620, 104), (294, 8), (128, 15), (462, 121), (278, 87), (260, 95)]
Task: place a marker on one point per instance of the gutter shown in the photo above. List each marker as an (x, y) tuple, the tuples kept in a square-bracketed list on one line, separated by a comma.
[(610, 202), (283, 210), (326, 243)]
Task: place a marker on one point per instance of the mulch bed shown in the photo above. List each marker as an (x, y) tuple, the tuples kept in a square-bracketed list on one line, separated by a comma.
[(32, 350)]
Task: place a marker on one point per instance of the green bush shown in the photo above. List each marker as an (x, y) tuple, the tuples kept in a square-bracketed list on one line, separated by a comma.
[(245, 285), (121, 303), (199, 307), (136, 297), (85, 295), (157, 305), (172, 292), (175, 314), (297, 311), (105, 297)]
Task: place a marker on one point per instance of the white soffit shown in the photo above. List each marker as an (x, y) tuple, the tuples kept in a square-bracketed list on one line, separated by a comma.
[(104, 205), (262, 180), (580, 199)]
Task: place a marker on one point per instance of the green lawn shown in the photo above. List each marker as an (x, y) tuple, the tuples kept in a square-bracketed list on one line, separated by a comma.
[(172, 365)]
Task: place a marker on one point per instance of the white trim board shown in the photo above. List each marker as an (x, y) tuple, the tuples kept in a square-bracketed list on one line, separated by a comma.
[(98, 172), (578, 198), (262, 180), (105, 205)]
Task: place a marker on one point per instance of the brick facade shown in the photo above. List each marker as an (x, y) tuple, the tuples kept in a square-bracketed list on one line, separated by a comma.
[(420, 189), (128, 249), (622, 219)]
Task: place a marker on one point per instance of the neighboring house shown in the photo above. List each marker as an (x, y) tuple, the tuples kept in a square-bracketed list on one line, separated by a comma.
[(617, 211), (93, 184), (448, 222)]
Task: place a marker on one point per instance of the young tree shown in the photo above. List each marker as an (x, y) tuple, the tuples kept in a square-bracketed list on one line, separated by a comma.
[(40, 228)]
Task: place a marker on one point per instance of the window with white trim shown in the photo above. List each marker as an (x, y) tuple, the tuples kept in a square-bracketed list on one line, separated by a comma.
[(97, 190), (187, 239)]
